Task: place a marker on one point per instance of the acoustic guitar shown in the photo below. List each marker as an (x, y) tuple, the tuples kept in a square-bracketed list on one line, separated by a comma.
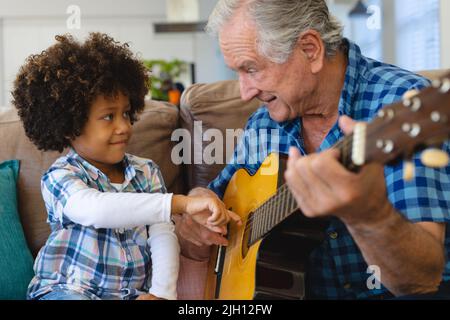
[(266, 257)]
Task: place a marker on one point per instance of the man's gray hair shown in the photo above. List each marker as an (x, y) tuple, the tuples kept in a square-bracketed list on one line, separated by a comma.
[(279, 24)]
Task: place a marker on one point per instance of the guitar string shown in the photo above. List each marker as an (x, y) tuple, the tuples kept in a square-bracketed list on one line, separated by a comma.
[(274, 199), (342, 145)]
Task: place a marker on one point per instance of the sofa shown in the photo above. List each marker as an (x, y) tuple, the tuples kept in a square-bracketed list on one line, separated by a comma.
[(206, 106)]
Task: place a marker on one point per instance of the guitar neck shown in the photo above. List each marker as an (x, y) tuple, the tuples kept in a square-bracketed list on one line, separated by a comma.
[(281, 205)]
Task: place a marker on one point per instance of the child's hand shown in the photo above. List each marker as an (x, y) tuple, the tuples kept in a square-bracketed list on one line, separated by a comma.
[(206, 210)]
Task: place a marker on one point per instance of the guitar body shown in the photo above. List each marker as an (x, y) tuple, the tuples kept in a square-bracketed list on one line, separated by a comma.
[(271, 268)]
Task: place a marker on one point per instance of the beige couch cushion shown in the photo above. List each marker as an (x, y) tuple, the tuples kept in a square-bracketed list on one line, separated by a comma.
[(151, 139), (434, 74), (218, 105)]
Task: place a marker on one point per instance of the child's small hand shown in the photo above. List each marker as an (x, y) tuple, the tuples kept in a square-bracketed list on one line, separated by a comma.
[(206, 210)]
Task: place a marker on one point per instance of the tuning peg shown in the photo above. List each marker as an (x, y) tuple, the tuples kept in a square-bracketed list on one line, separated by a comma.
[(410, 94), (409, 171), (435, 158), (411, 101), (445, 87)]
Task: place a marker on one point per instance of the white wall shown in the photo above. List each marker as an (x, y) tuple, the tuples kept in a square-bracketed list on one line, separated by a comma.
[(445, 34), (27, 27), (2, 99), (48, 8), (389, 41)]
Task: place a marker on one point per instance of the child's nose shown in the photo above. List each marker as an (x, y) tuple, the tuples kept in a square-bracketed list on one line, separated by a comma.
[(123, 126)]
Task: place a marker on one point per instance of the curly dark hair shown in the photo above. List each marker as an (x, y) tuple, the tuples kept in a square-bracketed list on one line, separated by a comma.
[(54, 90)]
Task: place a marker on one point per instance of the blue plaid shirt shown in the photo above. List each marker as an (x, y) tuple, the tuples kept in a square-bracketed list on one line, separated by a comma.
[(98, 263), (337, 267)]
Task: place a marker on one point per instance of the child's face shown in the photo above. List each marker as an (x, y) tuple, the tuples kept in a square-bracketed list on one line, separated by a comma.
[(106, 134)]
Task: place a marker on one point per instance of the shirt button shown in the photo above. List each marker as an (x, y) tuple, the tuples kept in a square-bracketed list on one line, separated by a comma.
[(347, 286), (129, 256), (333, 235), (124, 283)]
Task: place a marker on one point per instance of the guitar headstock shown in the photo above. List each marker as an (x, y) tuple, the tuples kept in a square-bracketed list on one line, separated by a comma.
[(421, 120)]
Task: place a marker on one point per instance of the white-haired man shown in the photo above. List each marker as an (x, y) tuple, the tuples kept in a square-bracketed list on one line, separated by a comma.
[(291, 55)]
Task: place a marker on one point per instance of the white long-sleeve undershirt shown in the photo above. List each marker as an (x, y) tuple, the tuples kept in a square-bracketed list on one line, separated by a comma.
[(125, 210), (110, 210)]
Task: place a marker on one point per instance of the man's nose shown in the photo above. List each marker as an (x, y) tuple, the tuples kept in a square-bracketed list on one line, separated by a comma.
[(248, 91)]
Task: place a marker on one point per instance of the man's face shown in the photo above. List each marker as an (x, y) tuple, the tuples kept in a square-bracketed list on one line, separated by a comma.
[(106, 133), (282, 87)]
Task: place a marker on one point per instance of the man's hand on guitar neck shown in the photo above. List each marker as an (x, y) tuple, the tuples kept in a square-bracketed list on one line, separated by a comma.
[(195, 239), (322, 186)]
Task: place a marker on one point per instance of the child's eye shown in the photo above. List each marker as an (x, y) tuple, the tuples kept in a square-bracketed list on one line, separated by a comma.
[(126, 114), (108, 117)]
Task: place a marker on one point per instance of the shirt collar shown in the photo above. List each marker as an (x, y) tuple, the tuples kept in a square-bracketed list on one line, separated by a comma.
[(95, 173), (354, 63)]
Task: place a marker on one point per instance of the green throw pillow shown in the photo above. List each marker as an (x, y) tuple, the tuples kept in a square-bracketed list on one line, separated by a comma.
[(16, 261)]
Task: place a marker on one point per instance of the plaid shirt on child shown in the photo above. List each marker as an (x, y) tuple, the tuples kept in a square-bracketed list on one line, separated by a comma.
[(337, 267), (95, 262)]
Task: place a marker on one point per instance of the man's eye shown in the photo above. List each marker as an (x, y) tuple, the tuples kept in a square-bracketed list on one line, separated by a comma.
[(108, 117)]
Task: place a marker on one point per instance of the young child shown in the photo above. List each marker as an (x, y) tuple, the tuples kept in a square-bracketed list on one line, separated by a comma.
[(110, 216)]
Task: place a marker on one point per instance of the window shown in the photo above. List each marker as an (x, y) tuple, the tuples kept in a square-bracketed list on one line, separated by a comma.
[(366, 29), (417, 34)]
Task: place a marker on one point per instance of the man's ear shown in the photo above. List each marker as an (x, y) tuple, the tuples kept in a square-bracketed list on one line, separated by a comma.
[(313, 48)]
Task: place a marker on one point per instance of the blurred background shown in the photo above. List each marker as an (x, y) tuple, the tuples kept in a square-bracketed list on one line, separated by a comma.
[(168, 36)]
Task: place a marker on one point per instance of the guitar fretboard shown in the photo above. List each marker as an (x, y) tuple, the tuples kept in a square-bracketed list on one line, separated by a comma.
[(281, 205)]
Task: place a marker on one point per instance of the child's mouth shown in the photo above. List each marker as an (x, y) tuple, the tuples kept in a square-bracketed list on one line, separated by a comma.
[(118, 143)]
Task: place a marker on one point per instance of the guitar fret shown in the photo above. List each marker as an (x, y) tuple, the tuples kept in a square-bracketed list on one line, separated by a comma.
[(274, 211), (281, 207), (257, 221), (269, 215), (260, 225), (273, 214), (263, 221), (285, 210), (285, 204), (254, 224)]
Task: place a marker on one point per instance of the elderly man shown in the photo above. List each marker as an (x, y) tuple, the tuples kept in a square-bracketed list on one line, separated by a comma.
[(291, 55)]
